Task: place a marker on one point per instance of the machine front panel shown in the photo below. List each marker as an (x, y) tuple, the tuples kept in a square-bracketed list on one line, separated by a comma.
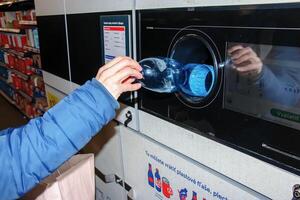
[(86, 32), (256, 112)]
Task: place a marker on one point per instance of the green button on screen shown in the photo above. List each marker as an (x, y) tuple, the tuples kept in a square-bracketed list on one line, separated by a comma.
[(285, 115)]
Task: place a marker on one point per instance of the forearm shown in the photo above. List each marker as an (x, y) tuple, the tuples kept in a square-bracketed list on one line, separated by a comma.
[(34, 151)]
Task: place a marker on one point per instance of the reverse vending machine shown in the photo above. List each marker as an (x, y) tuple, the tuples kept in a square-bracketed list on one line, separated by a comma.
[(246, 128), (238, 141)]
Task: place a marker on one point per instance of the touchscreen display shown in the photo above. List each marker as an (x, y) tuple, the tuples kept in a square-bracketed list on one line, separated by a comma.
[(115, 36), (264, 81)]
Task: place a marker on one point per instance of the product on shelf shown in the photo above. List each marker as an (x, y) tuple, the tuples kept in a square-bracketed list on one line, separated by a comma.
[(36, 59), (16, 81), (11, 60), (36, 38), (28, 15), (2, 20), (16, 41), (32, 38), (12, 19), (4, 40)]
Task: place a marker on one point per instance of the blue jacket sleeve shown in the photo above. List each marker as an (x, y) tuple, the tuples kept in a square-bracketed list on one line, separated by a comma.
[(34, 151), (280, 78)]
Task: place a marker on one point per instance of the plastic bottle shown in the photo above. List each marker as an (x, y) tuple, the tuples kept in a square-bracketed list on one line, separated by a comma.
[(150, 176), (157, 181), (194, 196), (165, 75), (183, 194)]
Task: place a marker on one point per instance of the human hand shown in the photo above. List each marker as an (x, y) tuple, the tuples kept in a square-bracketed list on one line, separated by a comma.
[(118, 76), (245, 60)]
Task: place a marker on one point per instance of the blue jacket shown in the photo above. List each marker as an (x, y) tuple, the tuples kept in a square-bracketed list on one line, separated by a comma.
[(34, 151), (280, 77)]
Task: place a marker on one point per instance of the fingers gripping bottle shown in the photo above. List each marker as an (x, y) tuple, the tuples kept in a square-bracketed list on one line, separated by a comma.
[(150, 176), (165, 75), (157, 181)]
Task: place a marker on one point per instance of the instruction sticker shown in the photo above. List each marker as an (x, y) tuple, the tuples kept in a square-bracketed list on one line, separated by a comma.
[(115, 36)]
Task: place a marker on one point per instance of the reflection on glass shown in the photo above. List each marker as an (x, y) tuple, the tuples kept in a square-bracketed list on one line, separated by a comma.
[(263, 77)]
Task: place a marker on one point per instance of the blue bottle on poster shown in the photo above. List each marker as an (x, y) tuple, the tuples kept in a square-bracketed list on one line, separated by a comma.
[(150, 176), (194, 196), (157, 181)]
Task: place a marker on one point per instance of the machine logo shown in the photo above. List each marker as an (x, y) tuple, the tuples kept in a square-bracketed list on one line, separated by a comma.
[(296, 192)]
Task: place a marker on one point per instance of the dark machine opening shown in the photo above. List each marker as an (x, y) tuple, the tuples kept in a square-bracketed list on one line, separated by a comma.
[(194, 48)]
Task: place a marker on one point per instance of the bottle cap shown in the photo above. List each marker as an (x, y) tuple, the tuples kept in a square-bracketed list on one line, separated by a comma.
[(201, 80)]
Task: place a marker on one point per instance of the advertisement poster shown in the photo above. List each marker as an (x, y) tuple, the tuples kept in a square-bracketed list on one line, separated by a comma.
[(163, 175)]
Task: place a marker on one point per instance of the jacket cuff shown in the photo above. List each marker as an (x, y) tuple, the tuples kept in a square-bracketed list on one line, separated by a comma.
[(114, 103)]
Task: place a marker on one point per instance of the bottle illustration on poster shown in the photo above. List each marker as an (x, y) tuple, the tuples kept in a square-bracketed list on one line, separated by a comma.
[(150, 176), (157, 180), (194, 196), (166, 187), (163, 185), (170, 181), (183, 194)]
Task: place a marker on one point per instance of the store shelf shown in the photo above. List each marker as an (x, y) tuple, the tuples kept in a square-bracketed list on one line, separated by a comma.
[(3, 79), (29, 98), (18, 53), (6, 3), (7, 97), (14, 5), (23, 76), (28, 23), (4, 65), (19, 108), (14, 2), (11, 86), (13, 103), (32, 49), (12, 30), (24, 94)]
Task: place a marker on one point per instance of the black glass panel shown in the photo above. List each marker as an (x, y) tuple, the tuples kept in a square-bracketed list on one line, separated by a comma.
[(84, 46), (53, 45)]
